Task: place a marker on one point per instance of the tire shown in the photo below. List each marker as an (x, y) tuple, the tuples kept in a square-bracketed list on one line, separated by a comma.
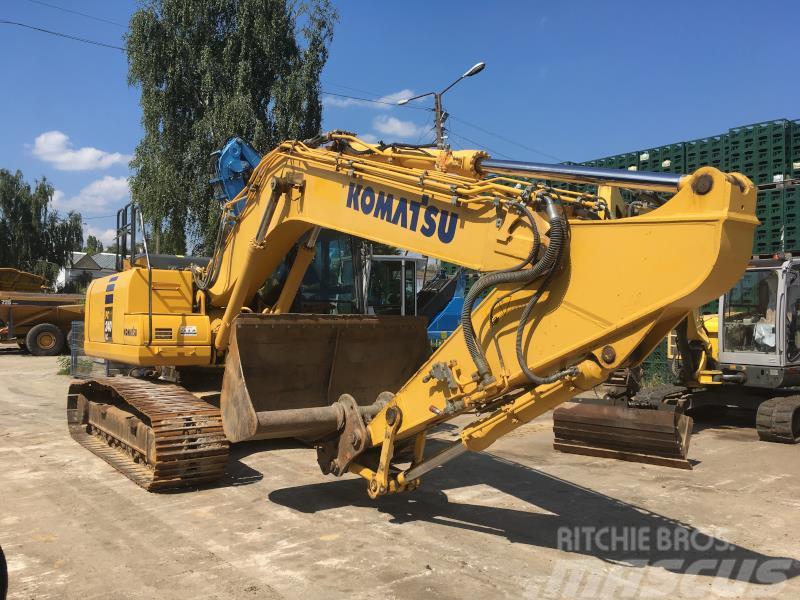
[(45, 339), (3, 576)]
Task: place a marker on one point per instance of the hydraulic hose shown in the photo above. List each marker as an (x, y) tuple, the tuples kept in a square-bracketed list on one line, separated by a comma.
[(515, 274), (549, 262), (545, 267)]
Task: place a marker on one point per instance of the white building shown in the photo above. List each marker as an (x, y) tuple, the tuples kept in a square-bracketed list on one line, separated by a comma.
[(97, 265)]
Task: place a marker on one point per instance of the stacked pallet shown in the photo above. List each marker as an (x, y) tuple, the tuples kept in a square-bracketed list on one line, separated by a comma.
[(768, 153)]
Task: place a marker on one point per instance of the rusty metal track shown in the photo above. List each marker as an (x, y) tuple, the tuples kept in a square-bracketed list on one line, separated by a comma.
[(157, 434)]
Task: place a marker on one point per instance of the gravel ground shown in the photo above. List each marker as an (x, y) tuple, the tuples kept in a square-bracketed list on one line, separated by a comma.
[(521, 521)]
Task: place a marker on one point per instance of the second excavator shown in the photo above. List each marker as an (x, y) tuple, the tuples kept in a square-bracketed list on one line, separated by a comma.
[(572, 293)]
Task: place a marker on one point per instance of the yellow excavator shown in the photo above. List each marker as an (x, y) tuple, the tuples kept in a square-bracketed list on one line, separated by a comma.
[(745, 356), (573, 291)]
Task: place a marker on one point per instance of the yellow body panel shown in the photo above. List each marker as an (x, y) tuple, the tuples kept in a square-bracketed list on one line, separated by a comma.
[(121, 327), (711, 325)]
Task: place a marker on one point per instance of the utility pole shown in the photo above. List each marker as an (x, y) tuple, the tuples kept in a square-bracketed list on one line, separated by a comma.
[(437, 108), (438, 111)]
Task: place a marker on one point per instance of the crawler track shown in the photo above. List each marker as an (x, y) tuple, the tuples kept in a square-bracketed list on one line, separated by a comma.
[(157, 434), (778, 420)]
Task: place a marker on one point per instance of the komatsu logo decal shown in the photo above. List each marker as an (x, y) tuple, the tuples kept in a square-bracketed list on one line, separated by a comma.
[(414, 215)]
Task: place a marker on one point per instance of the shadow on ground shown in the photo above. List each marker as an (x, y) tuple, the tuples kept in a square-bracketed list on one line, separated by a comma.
[(641, 537), (725, 418), (238, 473)]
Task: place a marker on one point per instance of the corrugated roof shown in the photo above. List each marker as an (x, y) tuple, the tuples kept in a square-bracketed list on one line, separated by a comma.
[(106, 260)]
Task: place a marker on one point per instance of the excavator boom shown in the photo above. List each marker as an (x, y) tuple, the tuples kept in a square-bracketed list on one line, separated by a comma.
[(571, 295)]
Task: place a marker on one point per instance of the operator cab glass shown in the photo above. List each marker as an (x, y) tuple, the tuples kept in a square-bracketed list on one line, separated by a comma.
[(751, 315), (329, 285), (385, 289), (392, 286), (793, 314)]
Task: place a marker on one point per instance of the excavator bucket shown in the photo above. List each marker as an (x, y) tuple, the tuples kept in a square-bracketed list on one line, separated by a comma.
[(653, 436), (283, 372)]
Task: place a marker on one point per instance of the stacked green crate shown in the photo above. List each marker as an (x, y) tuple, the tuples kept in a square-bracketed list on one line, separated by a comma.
[(664, 159), (628, 161), (711, 308), (770, 210), (791, 218), (760, 151), (704, 152), (793, 169), (656, 367)]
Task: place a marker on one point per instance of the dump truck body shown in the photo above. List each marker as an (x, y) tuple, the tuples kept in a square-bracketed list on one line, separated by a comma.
[(26, 310)]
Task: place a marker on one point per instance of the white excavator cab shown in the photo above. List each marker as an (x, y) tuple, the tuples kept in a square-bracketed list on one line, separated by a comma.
[(758, 324)]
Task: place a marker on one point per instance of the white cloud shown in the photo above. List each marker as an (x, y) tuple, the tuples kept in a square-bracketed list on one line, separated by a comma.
[(382, 103), (368, 137), (395, 97), (54, 147), (103, 195), (392, 126), (107, 236)]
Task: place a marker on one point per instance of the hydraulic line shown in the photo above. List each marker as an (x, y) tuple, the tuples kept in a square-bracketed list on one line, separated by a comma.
[(515, 274), (558, 241), (212, 270)]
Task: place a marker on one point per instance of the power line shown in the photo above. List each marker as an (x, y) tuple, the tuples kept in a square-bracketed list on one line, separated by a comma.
[(75, 12), (347, 87), (486, 131), (505, 139), (63, 35), (361, 99), (346, 96), (477, 144)]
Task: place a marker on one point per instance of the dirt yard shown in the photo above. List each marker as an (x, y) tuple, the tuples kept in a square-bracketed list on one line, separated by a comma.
[(520, 522)]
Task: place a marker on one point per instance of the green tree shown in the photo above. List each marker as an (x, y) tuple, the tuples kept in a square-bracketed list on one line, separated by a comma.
[(93, 245), (209, 70), (34, 237)]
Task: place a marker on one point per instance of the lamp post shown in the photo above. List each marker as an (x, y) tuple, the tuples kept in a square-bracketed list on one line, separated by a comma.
[(439, 114)]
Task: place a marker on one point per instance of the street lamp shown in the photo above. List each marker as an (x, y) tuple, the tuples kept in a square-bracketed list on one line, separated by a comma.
[(437, 102)]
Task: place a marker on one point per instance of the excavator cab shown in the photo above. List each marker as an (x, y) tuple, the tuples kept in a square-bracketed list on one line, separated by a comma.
[(759, 335)]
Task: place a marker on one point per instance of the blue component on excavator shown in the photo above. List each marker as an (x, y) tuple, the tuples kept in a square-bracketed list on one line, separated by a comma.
[(235, 163), (449, 318)]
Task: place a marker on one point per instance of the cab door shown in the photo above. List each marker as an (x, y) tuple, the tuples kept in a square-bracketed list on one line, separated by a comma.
[(751, 319)]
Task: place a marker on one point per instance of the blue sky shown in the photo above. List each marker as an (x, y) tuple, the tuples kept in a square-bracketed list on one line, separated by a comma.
[(564, 80)]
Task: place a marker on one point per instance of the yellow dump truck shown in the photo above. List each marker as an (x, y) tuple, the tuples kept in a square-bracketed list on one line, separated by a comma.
[(37, 321)]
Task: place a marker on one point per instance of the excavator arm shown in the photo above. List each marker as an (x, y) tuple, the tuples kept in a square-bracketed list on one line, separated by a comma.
[(570, 298)]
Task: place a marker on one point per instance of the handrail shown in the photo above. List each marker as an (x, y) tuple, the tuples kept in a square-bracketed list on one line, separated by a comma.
[(149, 282)]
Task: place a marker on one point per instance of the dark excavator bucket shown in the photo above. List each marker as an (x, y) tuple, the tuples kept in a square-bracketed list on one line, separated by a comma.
[(283, 372), (658, 437)]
